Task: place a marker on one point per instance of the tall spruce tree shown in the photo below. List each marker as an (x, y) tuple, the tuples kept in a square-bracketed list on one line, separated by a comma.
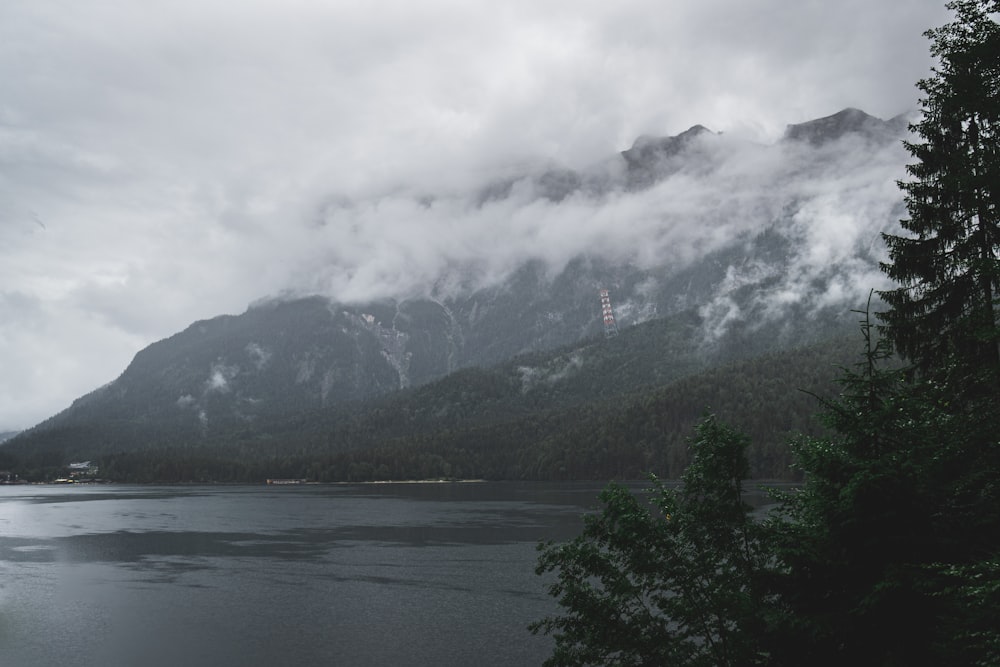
[(882, 513), (943, 315), (895, 551)]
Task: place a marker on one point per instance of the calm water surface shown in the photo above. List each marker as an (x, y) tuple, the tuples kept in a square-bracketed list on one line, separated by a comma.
[(387, 574)]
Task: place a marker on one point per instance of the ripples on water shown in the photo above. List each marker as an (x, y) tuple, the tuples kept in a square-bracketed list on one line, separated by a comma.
[(401, 574)]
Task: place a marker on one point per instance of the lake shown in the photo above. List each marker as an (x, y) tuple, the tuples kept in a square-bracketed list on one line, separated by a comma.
[(378, 574)]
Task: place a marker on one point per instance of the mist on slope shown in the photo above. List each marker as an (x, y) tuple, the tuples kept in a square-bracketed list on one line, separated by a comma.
[(830, 203), (169, 161), (448, 236)]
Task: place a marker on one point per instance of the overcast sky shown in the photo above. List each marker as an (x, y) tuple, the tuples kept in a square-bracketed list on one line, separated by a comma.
[(166, 161)]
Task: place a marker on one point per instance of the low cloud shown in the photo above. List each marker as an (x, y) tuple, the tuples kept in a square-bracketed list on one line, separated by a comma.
[(169, 162), (830, 206), (219, 377)]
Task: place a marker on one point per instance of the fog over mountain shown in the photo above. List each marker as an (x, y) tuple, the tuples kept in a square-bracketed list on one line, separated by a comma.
[(741, 232), (746, 248), (167, 163), (657, 205)]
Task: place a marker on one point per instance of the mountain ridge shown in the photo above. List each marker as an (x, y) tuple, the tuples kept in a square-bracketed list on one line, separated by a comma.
[(762, 288), (846, 121)]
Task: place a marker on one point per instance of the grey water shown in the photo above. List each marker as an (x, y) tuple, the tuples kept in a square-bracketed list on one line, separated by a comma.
[(380, 574)]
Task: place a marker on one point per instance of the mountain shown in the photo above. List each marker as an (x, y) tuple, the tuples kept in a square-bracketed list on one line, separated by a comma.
[(722, 251), (606, 407), (844, 123), (653, 158)]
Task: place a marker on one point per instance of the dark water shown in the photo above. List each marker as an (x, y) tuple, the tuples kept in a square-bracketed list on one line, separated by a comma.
[(400, 574)]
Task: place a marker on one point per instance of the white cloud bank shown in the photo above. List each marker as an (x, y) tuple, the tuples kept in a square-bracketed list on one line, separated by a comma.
[(170, 160)]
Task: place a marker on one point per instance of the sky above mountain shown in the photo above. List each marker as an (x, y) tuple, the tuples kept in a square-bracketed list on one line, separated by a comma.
[(170, 160)]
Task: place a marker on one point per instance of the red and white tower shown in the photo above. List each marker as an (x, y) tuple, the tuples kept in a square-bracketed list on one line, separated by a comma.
[(610, 328)]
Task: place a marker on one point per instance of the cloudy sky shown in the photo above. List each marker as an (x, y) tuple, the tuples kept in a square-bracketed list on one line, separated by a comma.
[(167, 161)]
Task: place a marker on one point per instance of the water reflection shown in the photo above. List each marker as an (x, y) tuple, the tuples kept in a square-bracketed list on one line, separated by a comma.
[(374, 574)]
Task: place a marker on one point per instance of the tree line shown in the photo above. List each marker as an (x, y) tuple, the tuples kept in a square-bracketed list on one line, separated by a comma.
[(479, 424)]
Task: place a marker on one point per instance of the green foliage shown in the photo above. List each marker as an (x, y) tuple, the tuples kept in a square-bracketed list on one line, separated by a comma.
[(900, 494), (852, 527), (972, 594), (672, 580)]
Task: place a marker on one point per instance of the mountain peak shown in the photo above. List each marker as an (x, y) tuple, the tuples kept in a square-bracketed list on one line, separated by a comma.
[(651, 158), (646, 142), (846, 121)]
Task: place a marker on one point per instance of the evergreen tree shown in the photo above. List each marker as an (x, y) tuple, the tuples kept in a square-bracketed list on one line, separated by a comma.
[(890, 552), (943, 315), (943, 318), (671, 581), (859, 543)]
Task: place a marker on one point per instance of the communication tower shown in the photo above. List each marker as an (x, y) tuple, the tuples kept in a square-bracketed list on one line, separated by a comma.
[(610, 328)]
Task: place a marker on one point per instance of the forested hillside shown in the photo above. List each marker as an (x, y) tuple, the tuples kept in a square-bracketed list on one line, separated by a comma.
[(508, 422)]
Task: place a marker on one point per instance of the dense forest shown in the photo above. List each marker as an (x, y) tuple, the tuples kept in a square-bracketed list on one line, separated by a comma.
[(484, 424)]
